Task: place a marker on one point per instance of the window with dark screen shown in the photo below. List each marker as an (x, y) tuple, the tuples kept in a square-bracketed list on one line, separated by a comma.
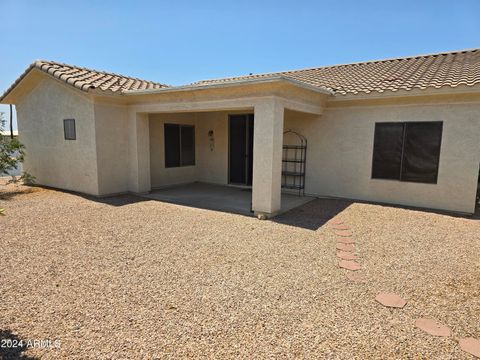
[(407, 151), (187, 149), (69, 131), (387, 150), (179, 145)]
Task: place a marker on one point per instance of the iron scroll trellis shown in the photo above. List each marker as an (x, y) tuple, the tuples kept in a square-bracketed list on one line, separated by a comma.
[(294, 163)]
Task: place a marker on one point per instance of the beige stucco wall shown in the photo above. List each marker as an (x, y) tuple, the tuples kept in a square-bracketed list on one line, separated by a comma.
[(340, 149), (160, 175), (111, 132), (340, 153), (211, 165), (267, 157), (54, 161)]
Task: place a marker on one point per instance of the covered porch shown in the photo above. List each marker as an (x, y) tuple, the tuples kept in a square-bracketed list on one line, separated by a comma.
[(220, 142), (222, 198)]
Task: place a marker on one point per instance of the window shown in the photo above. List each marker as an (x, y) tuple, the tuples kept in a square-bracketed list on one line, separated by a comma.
[(179, 145), (408, 151), (69, 129)]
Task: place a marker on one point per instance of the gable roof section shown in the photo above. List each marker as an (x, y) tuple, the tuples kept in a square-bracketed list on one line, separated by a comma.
[(87, 79), (433, 71), (418, 72)]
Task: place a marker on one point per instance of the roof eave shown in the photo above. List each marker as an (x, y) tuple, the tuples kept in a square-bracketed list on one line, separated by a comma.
[(5, 98), (230, 84), (444, 90), (7, 92)]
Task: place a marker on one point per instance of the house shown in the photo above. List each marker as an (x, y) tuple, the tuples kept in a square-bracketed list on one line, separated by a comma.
[(401, 131)]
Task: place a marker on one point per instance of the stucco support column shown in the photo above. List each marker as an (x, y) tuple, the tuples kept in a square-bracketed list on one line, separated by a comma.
[(267, 157), (138, 153)]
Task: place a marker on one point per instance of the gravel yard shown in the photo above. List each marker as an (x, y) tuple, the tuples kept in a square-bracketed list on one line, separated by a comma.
[(130, 277)]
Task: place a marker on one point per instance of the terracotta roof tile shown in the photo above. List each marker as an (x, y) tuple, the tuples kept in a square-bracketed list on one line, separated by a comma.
[(87, 79), (418, 72), (453, 69)]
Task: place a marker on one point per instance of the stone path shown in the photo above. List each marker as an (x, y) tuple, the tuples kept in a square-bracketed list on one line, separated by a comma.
[(346, 255), (345, 246), (470, 345), (433, 327), (390, 300), (349, 265)]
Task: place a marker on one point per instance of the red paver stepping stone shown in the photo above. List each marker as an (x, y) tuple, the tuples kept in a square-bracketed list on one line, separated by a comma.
[(335, 221), (470, 345), (346, 240), (390, 300), (343, 233), (345, 255), (340, 227), (349, 265), (345, 247), (432, 327), (355, 276)]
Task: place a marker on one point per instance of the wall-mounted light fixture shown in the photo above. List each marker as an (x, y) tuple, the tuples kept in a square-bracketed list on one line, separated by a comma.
[(211, 140)]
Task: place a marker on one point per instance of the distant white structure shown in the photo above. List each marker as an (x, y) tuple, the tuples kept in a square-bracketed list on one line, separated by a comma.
[(7, 133)]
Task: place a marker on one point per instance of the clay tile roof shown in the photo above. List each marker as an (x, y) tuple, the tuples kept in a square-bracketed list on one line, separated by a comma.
[(443, 70), (418, 72), (87, 79)]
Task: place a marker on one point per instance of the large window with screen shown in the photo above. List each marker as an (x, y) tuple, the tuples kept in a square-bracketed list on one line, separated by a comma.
[(407, 151)]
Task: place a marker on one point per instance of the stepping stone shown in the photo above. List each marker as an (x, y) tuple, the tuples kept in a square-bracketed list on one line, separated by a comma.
[(390, 300), (335, 221), (340, 227), (349, 265), (432, 327), (355, 276), (470, 345), (345, 255), (346, 240), (343, 233), (345, 247)]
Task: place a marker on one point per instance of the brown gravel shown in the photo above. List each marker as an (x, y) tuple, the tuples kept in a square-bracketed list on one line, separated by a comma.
[(129, 277)]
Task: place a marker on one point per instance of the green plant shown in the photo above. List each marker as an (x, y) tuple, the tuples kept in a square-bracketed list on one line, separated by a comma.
[(12, 153)]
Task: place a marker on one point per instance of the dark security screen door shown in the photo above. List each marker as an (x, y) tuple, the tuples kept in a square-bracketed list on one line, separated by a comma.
[(241, 149)]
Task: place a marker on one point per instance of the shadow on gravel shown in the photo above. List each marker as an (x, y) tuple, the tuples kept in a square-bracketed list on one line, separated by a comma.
[(314, 214), (114, 200), (12, 347), (118, 200), (9, 195)]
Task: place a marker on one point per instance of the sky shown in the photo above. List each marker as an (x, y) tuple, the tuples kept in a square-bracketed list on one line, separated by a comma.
[(178, 42)]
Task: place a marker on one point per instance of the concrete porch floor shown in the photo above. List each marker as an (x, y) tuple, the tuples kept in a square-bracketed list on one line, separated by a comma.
[(219, 197)]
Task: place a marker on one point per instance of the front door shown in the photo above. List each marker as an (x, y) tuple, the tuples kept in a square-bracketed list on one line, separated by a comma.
[(241, 149)]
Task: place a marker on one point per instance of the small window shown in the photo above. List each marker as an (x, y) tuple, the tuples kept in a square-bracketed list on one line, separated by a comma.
[(179, 145), (69, 129), (408, 151)]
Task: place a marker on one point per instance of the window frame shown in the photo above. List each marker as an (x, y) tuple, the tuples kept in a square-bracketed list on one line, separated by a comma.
[(72, 121), (401, 170), (180, 150)]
